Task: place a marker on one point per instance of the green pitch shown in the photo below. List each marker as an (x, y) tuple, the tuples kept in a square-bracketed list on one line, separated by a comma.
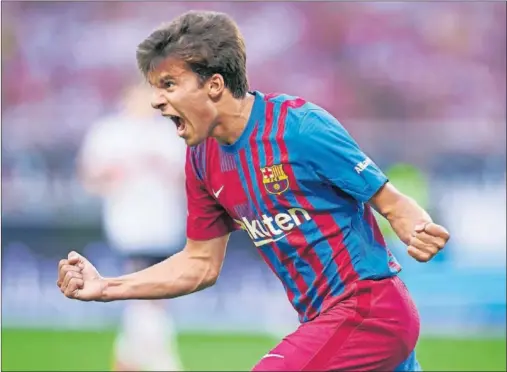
[(31, 350)]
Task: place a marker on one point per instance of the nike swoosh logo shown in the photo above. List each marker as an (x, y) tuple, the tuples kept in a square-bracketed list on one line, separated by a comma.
[(273, 356), (218, 192)]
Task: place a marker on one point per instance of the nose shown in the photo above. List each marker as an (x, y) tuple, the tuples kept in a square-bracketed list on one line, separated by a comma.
[(158, 102)]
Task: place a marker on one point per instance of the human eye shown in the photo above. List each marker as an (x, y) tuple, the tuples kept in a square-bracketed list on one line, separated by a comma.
[(168, 84)]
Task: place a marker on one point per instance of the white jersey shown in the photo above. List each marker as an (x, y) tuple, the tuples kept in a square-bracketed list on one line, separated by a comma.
[(139, 166)]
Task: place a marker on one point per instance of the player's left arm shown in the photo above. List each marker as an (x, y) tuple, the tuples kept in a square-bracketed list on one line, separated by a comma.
[(410, 222), (338, 160)]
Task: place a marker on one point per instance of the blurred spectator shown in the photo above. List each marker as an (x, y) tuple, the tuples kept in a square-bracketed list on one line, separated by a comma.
[(135, 162)]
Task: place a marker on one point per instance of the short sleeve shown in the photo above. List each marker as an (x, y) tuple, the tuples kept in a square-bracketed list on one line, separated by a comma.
[(206, 219), (336, 158)]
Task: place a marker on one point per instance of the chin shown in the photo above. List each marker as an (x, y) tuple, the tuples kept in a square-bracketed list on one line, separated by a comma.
[(193, 141)]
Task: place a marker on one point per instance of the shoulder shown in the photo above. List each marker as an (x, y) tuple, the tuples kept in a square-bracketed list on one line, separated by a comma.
[(197, 157), (299, 116)]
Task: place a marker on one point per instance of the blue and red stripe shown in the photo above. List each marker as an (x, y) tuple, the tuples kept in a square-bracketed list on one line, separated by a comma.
[(330, 238), (196, 155), (273, 257), (369, 217), (309, 250), (296, 237), (270, 258), (314, 257)]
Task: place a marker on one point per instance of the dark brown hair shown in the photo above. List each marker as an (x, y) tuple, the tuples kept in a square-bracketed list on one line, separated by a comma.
[(209, 42)]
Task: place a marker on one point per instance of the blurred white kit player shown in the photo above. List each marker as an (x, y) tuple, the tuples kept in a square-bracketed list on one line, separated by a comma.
[(135, 162)]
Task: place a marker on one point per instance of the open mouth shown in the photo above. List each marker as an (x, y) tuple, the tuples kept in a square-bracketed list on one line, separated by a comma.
[(180, 124)]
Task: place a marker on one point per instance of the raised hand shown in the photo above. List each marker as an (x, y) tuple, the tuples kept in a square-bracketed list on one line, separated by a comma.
[(79, 279), (427, 240)]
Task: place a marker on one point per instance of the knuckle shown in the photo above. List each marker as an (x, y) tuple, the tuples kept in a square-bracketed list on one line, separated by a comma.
[(419, 245), (69, 268), (425, 237)]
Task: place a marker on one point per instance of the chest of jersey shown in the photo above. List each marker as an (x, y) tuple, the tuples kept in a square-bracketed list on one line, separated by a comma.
[(224, 183), (260, 197)]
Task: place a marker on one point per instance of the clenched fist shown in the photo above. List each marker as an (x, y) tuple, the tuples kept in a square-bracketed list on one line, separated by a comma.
[(427, 240), (78, 279)]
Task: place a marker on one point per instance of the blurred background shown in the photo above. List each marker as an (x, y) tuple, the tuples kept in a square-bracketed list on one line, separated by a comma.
[(421, 86)]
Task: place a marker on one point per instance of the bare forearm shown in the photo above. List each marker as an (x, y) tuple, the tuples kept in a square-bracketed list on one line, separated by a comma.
[(405, 215), (402, 212), (179, 275)]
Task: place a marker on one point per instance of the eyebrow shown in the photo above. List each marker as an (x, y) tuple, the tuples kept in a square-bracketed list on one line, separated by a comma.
[(165, 78)]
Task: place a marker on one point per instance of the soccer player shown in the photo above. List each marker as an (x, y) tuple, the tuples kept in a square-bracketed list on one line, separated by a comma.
[(131, 159), (287, 172)]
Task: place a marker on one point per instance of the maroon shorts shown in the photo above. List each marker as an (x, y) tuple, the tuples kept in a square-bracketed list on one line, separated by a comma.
[(373, 327)]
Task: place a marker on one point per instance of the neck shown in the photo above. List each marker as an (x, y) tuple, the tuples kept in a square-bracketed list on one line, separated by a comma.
[(233, 119)]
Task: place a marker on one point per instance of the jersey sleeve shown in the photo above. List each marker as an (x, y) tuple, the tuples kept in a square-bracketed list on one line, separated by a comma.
[(206, 219), (336, 158)]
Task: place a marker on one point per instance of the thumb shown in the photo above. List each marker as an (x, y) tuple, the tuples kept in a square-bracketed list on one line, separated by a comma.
[(74, 258), (421, 226), (437, 230)]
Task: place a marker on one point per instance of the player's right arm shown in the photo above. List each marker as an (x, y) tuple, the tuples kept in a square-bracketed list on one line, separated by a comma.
[(196, 267)]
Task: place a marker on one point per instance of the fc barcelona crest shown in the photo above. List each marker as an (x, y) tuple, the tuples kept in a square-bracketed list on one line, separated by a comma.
[(274, 179)]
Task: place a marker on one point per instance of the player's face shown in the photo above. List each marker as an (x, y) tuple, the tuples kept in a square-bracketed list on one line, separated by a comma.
[(181, 97)]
